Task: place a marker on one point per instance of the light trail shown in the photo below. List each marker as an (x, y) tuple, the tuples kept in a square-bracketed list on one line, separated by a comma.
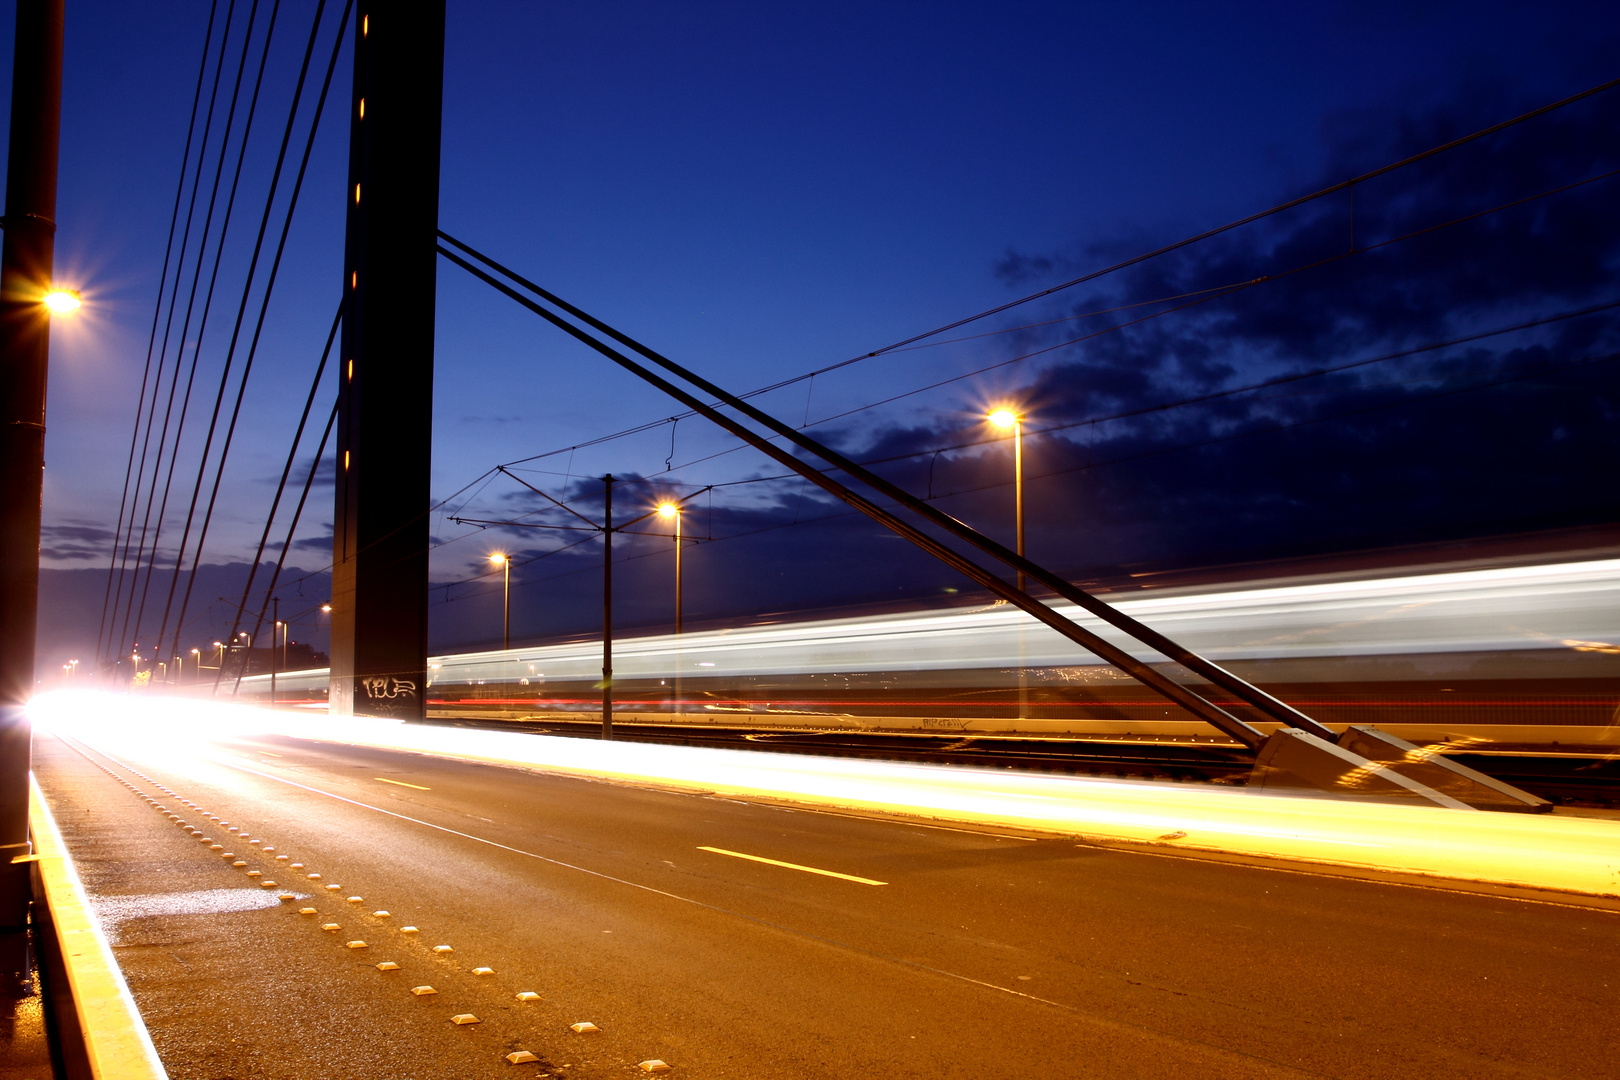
[(1580, 855), (1557, 610)]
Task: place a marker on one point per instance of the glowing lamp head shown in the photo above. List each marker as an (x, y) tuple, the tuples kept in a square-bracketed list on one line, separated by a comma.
[(327, 608), (498, 559), (668, 510), (1003, 418), (62, 301)]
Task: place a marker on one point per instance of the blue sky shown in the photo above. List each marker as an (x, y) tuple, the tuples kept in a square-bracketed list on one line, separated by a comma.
[(756, 190)]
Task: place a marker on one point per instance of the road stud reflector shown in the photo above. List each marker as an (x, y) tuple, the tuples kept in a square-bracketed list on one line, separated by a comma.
[(334, 888), (216, 847), (442, 949), (421, 991), (356, 899), (287, 896), (655, 1066), (331, 927), (584, 1027), (465, 1018), (409, 930), (520, 1057), (238, 862), (387, 965), (254, 873), (358, 945), (306, 911), (267, 884), (483, 971), (314, 877), (528, 995), (379, 914)]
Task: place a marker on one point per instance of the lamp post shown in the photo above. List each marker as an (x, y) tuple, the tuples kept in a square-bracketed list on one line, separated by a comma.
[(1006, 418), (26, 263), (672, 511), (275, 624), (196, 664), (607, 606), (505, 563)]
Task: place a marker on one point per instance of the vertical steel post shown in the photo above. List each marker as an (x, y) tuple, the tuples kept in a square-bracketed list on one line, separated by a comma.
[(506, 604), (275, 621), (1018, 514), (385, 395), (607, 607), (25, 327), (677, 610)]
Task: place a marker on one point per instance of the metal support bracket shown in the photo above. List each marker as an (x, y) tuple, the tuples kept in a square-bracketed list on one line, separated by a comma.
[(1292, 760), (1436, 771)]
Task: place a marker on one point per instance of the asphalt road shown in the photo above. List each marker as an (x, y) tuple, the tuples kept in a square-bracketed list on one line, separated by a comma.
[(634, 909)]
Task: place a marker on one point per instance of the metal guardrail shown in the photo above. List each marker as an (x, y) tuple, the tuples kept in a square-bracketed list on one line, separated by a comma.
[(98, 1029)]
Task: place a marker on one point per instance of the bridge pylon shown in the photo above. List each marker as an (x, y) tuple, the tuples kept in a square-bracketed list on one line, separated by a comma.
[(385, 396)]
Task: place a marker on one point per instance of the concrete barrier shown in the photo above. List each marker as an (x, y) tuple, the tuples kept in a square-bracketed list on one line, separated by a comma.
[(97, 1027)]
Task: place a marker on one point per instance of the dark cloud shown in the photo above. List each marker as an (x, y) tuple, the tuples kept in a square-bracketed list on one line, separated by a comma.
[(75, 540)]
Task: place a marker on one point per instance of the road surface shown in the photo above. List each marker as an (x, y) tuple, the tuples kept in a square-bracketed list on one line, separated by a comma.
[(744, 940)]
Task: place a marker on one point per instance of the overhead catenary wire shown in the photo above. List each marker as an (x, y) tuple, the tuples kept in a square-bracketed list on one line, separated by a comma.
[(1214, 292), (1332, 189)]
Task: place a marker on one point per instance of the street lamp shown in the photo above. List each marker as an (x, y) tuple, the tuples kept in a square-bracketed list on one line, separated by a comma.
[(503, 561), (62, 301), (672, 511), (1004, 419), (196, 664)]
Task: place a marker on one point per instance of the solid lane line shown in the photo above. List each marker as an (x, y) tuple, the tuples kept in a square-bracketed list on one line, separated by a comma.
[(791, 865), (401, 783)]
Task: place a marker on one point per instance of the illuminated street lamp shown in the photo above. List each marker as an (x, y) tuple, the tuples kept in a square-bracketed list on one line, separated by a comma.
[(196, 663), (505, 563), (1004, 419), (62, 301)]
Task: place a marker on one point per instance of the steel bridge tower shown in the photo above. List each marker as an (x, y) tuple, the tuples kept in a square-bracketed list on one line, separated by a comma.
[(385, 396)]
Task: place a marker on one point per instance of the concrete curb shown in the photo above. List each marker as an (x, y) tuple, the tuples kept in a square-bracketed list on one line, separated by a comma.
[(111, 1040)]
